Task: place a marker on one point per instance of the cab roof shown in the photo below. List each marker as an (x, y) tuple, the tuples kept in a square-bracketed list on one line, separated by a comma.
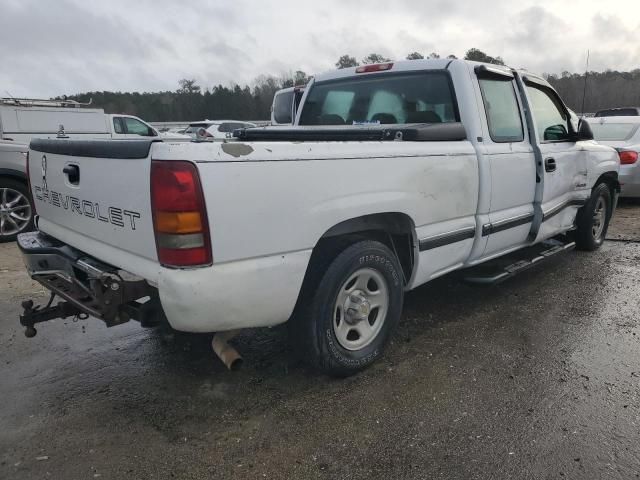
[(426, 64)]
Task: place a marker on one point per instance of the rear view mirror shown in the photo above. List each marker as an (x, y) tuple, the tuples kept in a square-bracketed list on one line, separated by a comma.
[(584, 130)]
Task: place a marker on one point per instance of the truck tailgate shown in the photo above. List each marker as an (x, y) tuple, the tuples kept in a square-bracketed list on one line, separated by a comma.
[(95, 189)]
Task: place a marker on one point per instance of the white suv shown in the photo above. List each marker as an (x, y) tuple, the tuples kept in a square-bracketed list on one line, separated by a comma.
[(217, 129)]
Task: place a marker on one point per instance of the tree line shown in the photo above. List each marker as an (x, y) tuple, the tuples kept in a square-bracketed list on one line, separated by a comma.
[(598, 90), (190, 101)]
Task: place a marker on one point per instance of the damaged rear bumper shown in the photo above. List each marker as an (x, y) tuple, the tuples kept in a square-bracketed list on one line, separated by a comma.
[(87, 286)]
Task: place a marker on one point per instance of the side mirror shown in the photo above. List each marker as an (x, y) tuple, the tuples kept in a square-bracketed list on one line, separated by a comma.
[(556, 133), (152, 132), (584, 130)]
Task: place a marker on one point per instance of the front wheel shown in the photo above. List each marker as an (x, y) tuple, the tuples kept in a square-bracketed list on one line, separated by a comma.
[(344, 322), (592, 221)]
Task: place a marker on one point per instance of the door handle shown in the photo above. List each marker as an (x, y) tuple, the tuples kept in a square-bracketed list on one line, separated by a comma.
[(550, 164)]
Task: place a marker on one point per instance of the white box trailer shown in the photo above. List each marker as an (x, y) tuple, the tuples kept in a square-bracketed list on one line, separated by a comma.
[(22, 120)]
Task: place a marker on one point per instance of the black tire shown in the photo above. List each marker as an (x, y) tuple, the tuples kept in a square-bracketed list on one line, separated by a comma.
[(11, 186), (589, 236), (312, 329)]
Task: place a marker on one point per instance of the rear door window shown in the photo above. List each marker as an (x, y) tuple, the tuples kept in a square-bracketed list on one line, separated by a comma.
[(502, 110), (423, 97)]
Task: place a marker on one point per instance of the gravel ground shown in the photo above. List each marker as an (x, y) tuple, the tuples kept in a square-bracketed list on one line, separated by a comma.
[(538, 377)]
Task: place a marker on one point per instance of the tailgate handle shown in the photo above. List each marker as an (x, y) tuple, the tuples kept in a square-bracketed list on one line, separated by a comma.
[(73, 173)]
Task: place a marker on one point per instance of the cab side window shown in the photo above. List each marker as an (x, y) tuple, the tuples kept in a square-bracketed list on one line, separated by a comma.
[(136, 127), (117, 125), (552, 121), (503, 112)]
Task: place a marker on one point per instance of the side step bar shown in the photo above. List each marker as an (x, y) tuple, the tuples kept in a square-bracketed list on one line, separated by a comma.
[(554, 247)]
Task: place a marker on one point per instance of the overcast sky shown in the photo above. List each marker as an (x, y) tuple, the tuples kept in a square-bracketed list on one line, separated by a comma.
[(71, 46)]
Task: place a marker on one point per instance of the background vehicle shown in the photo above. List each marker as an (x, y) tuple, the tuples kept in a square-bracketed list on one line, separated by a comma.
[(16, 212), (425, 167), (622, 133), (618, 112), (217, 129), (24, 119), (285, 105)]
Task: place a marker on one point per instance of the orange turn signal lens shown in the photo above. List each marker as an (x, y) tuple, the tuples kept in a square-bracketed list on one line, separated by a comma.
[(178, 222)]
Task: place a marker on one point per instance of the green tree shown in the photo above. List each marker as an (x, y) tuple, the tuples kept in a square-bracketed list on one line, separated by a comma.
[(346, 61), (375, 58), (301, 78), (188, 86), (479, 56), (415, 56), (433, 55)]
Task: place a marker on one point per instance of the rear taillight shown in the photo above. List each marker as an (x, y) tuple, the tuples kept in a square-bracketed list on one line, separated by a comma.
[(377, 67), (179, 215), (627, 157)]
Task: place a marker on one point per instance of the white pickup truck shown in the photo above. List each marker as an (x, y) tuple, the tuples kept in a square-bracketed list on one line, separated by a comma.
[(395, 174)]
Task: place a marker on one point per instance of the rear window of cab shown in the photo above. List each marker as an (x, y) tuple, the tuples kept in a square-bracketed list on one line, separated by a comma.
[(389, 98)]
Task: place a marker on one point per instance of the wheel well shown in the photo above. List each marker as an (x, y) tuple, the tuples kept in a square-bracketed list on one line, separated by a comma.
[(13, 175), (395, 230), (611, 179)]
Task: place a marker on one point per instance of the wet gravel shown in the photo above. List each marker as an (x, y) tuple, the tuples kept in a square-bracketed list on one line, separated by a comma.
[(538, 377)]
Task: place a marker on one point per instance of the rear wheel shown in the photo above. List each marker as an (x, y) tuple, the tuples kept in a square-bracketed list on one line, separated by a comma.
[(346, 316), (16, 212), (592, 221)]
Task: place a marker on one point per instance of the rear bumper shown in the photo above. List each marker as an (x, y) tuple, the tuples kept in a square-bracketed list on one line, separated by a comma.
[(258, 292), (630, 180), (91, 286)]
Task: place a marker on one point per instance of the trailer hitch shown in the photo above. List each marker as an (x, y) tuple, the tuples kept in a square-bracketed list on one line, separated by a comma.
[(39, 314)]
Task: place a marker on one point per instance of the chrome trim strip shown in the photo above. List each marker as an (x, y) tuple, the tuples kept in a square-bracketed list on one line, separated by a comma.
[(506, 224), (447, 238), (552, 212)]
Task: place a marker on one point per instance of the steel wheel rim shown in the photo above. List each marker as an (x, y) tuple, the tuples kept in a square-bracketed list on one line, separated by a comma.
[(15, 211), (361, 309), (599, 217)]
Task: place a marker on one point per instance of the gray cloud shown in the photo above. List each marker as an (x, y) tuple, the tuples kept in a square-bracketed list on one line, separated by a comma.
[(70, 46)]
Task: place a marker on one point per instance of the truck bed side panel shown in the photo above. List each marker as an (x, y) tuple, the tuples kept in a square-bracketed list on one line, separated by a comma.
[(285, 196)]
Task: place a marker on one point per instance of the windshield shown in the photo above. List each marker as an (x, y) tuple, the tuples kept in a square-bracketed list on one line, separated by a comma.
[(614, 131), (424, 97)]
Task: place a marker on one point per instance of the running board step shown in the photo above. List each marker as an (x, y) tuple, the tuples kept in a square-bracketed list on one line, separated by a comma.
[(489, 273)]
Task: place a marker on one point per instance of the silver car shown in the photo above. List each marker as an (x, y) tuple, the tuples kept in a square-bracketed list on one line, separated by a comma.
[(622, 133), (16, 211)]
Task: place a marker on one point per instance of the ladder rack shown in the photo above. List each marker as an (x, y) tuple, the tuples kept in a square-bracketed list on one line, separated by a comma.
[(37, 102)]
